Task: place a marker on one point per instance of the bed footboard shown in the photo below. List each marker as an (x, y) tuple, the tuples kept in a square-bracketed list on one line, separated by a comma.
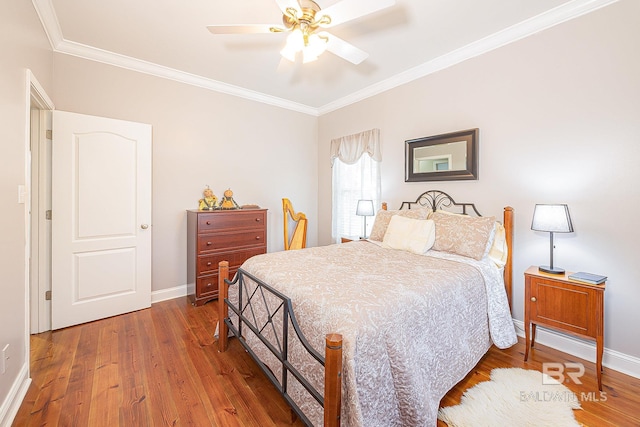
[(331, 399)]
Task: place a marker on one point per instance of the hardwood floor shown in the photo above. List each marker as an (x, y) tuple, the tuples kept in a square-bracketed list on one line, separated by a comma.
[(161, 367)]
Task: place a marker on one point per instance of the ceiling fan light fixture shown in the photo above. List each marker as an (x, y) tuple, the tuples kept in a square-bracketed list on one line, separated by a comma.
[(316, 46), (295, 43), (288, 54), (295, 40), (308, 56)]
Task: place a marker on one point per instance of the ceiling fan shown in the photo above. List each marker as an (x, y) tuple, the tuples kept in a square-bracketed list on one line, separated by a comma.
[(305, 22)]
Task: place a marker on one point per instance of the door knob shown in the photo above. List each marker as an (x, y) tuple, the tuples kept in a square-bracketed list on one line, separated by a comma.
[(144, 226)]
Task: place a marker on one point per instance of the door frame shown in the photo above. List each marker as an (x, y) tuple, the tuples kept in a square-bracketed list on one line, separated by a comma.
[(38, 311)]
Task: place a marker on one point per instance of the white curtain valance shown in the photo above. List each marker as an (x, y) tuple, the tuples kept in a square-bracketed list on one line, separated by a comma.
[(350, 148)]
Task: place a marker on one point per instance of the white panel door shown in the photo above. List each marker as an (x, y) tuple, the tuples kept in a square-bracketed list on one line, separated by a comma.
[(101, 218)]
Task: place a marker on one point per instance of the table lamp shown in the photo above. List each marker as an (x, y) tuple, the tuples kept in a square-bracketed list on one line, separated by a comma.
[(365, 209), (552, 219)]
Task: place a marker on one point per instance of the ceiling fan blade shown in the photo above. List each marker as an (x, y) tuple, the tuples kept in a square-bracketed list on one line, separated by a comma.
[(346, 10), (290, 4), (345, 50), (243, 29)]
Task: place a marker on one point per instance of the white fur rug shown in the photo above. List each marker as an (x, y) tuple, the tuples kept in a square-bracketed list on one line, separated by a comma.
[(514, 397)]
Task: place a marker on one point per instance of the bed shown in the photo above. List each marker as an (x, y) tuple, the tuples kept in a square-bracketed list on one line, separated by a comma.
[(399, 326)]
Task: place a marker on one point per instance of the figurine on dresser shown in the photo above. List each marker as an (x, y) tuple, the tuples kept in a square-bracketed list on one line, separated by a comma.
[(209, 201), (227, 201)]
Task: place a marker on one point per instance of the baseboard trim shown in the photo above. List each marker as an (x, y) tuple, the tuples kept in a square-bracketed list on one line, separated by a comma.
[(14, 399), (167, 294), (612, 359)]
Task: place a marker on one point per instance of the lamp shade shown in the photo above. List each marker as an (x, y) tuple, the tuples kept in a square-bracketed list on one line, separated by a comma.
[(365, 208), (552, 218)]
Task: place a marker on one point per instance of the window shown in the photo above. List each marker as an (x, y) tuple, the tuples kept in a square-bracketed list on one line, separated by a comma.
[(356, 175)]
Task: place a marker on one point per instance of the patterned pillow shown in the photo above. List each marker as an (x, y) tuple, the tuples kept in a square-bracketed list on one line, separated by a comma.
[(383, 217), (462, 235)]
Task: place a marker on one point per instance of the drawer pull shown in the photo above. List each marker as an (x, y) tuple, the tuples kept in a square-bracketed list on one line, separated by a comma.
[(533, 299), (208, 285), (208, 222), (257, 237), (209, 243), (209, 264), (258, 219)]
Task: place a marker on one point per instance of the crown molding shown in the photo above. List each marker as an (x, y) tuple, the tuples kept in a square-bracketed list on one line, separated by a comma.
[(558, 15), (49, 19), (134, 64)]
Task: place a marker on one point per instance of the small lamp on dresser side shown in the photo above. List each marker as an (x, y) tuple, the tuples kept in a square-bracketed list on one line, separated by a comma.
[(552, 219)]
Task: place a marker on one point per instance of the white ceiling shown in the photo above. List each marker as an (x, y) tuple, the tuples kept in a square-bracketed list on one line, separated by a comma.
[(169, 38)]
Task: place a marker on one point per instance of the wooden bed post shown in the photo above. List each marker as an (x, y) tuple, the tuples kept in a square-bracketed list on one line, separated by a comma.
[(508, 268), (223, 310), (332, 380)]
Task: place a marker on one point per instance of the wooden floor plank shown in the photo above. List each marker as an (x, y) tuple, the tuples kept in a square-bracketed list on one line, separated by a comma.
[(134, 384), (53, 385), (163, 410), (76, 410), (161, 367), (105, 389)]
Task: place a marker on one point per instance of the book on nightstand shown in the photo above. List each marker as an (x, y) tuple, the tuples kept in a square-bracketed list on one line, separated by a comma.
[(589, 278)]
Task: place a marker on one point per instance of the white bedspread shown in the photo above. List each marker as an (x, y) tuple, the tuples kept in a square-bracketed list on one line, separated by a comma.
[(412, 325)]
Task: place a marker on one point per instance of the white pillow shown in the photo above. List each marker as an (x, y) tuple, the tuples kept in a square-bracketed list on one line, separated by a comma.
[(384, 216), (413, 235)]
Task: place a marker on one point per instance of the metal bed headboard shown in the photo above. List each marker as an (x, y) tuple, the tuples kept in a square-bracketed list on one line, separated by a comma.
[(436, 199)]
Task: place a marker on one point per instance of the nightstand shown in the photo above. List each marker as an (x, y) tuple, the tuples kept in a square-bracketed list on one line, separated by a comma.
[(554, 301), (350, 239)]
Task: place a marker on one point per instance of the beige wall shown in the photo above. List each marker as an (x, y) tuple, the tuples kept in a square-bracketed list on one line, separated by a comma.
[(23, 45), (558, 114), (200, 138)]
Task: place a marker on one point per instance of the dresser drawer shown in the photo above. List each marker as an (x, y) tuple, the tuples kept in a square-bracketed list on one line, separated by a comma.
[(231, 220), (209, 263), (218, 241), (208, 286)]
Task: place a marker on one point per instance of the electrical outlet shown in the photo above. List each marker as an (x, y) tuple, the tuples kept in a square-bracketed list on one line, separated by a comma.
[(4, 358)]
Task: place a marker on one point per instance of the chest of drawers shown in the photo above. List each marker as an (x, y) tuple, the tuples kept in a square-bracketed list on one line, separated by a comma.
[(224, 235)]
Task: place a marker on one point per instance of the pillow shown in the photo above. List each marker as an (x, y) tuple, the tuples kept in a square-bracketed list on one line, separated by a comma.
[(383, 217), (498, 251), (462, 234), (408, 234)]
